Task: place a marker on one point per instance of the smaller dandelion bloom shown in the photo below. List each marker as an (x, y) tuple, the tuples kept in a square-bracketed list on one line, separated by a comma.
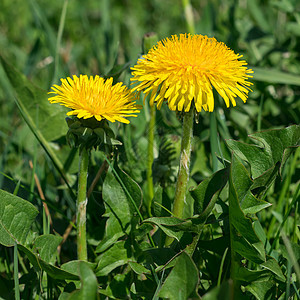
[(95, 97), (181, 70)]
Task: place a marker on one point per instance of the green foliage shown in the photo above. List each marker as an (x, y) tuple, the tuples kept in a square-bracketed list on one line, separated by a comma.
[(17, 216), (182, 280), (240, 235)]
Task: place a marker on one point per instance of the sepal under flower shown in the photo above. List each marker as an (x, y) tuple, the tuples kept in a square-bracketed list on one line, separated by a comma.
[(90, 133)]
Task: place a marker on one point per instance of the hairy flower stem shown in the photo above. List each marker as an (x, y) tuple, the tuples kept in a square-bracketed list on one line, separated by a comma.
[(184, 166), (81, 204)]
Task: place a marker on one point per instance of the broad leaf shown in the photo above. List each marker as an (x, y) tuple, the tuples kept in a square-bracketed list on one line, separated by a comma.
[(221, 292), (245, 275), (275, 147), (272, 265), (122, 197), (182, 280), (16, 218), (262, 290), (47, 119), (244, 240), (51, 270), (172, 226), (138, 268), (206, 193), (243, 183), (89, 284), (118, 255), (118, 287), (46, 245), (73, 266)]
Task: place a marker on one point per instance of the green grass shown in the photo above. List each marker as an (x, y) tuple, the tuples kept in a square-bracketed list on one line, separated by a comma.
[(127, 258)]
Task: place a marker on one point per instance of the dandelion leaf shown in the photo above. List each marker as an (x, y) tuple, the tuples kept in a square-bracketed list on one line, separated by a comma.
[(182, 280), (275, 146), (244, 239), (16, 218)]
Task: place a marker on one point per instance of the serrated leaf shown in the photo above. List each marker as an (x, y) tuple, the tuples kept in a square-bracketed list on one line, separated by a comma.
[(243, 237), (182, 280), (277, 145), (119, 190), (118, 255), (272, 265), (246, 275), (262, 183), (243, 184), (173, 226), (262, 290), (206, 193), (16, 218), (46, 245), (138, 268)]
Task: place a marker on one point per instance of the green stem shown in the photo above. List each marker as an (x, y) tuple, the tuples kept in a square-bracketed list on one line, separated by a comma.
[(16, 273), (214, 140), (184, 165), (81, 204), (150, 157)]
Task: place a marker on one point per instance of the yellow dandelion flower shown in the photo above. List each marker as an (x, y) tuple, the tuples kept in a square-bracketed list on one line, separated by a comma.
[(95, 97), (181, 69)]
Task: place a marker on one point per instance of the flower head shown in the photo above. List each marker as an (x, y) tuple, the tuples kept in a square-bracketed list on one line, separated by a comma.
[(186, 68), (95, 97)]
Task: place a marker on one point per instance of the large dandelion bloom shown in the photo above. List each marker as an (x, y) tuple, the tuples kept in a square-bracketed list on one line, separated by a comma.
[(95, 97), (180, 70)]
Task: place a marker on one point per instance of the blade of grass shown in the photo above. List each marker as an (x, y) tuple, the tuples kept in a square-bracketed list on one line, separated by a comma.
[(293, 260), (284, 191), (16, 261), (221, 267), (275, 76), (58, 40), (16, 273), (259, 116), (40, 16), (296, 199), (189, 16)]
